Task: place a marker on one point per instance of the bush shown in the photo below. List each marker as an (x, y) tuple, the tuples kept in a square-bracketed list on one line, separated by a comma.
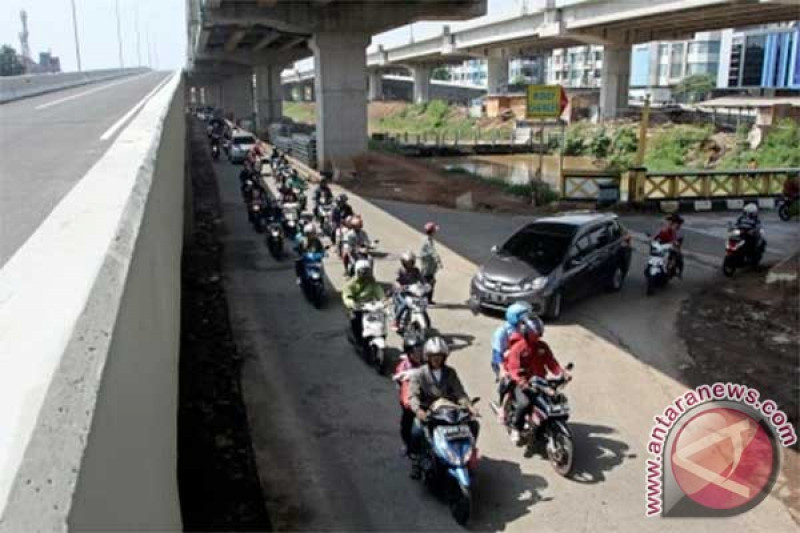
[(670, 149), (600, 144), (575, 139), (779, 149)]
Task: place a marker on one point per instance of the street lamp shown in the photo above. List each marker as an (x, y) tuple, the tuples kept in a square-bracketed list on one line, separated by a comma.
[(119, 38), (77, 42)]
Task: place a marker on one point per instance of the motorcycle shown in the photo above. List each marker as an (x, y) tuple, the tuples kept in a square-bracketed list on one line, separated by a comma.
[(291, 217), (416, 320), (215, 146), (661, 267), (275, 239), (373, 336), (256, 217), (548, 427), (745, 246), (788, 208), (313, 280), (325, 217), (449, 456)]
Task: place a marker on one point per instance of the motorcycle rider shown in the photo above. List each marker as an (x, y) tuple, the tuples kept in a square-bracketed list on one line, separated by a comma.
[(309, 241), (323, 194), (410, 361), (433, 381), (516, 314), (750, 225), (354, 239), (288, 196), (528, 357), (429, 257), (408, 274), (341, 211), (670, 233), (360, 290)]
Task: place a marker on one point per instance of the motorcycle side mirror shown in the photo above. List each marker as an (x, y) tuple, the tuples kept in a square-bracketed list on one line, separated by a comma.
[(495, 249), (569, 366), (475, 400)]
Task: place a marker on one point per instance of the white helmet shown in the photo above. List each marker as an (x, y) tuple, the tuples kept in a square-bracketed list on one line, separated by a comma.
[(751, 209), (436, 345), (408, 258), (362, 266), (309, 229)]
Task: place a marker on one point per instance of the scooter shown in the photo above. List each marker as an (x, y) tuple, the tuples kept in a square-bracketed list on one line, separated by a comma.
[(449, 456), (215, 146), (416, 320), (660, 267), (745, 246), (788, 208), (291, 216), (275, 239), (256, 216), (325, 217), (361, 252), (548, 427), (312, 281), (374, 330)]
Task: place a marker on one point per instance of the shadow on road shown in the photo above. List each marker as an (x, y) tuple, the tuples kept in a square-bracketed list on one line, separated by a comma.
[(504, 494), (597, 452)]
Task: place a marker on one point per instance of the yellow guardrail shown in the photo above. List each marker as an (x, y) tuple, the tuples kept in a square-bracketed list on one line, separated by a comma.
[(708, 184)]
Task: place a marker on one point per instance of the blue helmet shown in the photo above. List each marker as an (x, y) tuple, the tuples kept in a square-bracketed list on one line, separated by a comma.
[(516, 312)]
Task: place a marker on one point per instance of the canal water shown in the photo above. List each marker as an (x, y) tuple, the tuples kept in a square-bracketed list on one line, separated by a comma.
[(515, 169)]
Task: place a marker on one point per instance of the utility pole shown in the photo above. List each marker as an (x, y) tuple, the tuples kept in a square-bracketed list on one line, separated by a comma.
[(147, 45), (119, 38), (77, 42)]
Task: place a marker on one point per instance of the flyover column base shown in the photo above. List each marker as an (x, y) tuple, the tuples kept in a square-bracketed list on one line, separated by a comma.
[(269, 95), (615, 80), (422, 83), (340, 87), (497, 73)]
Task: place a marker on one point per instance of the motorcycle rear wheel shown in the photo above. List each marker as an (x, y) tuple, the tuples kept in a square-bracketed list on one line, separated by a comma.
[(728, 268), (784, 212)]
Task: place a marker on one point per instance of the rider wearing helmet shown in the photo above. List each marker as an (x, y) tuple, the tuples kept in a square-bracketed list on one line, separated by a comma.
[(408, 274), (309, 241), (410, 361), (323, 194), (360, 290), (341, 211), (750, 225), (528, 357), (354, 239), (670, 233), (432, 382), (429, 257), (516, 314)]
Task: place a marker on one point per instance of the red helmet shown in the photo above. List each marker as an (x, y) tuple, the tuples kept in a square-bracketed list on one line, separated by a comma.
[(356, 222), (431, 227)]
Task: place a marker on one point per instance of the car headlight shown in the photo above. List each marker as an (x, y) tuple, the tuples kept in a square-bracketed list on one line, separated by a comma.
[(479, 277), (536, 284)]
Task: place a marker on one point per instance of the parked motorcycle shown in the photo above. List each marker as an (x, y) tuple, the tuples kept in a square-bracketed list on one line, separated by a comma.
[(548, 427), (661, 267), (374, 330), (416, 320), (745, 246), (449, 456), (312, 281), (788, 208)]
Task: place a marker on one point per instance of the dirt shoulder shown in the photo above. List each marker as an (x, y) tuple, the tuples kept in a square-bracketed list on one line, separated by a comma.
[(746, 331), (217, 475)]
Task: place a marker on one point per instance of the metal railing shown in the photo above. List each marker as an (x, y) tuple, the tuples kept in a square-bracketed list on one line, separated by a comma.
[(709, 184), (585, 185)]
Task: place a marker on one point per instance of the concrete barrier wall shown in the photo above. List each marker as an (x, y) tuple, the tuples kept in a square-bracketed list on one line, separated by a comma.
[(16, 87), (90, 308)]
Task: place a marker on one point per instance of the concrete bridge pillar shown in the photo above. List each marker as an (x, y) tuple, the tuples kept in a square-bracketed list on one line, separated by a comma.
[(375, 86), (340, 64), (422, 83), (237, 96), (269, 95), (615, 80), (497, 72)]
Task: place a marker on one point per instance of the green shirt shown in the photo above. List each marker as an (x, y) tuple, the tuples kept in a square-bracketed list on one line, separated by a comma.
[(360, 291)]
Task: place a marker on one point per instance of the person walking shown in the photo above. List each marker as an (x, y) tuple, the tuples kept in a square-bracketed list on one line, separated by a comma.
[(430, 261)]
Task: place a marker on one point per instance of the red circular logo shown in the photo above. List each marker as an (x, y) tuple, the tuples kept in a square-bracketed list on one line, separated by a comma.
[(722, 458)]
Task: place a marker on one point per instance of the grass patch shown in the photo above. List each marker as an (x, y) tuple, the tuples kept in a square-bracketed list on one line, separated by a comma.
[(304, 112), (541, 191)]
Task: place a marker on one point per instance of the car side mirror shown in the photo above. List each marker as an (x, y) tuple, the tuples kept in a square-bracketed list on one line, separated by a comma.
[(574, 262), (495, 249)]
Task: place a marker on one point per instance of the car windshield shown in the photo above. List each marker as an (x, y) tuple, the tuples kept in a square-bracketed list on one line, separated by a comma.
[(542, 246), (244, 140)]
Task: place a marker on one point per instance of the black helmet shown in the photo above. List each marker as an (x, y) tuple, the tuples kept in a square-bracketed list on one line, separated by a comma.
[(413, 341), (342, 198)]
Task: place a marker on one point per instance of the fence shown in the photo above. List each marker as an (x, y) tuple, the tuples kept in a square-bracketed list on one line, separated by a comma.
[(585, 185), (709, 184)]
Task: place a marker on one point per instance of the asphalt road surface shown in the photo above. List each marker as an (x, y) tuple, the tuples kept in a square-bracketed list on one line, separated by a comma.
[(49, 142), (325, 425)]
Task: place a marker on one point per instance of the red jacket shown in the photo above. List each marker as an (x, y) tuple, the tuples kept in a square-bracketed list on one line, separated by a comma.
[(530, 358), (667, 235), (402, 375)]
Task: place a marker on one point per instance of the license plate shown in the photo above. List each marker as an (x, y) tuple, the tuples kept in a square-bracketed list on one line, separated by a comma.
[(456, 432), (496, 298)]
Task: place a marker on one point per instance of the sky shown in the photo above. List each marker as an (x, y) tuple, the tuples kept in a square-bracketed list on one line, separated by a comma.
[(163, 22)]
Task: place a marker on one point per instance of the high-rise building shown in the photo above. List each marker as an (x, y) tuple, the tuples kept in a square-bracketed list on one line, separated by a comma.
[(575, 67), (764, 57)]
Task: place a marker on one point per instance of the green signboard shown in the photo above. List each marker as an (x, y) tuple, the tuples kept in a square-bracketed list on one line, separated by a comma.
[(545, 101)]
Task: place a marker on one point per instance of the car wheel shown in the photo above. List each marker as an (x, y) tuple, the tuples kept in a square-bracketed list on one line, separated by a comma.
[(554, 306), (617, 280)]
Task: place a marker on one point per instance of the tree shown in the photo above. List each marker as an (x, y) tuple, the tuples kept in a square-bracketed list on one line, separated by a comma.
[(10, 64), (693, 88), (441, 73)]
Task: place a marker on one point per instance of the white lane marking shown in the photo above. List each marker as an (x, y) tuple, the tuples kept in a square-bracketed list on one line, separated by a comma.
[(118, 124), (90, 91)]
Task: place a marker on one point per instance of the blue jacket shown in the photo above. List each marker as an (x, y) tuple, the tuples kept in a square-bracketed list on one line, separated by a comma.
[(500, 342)]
